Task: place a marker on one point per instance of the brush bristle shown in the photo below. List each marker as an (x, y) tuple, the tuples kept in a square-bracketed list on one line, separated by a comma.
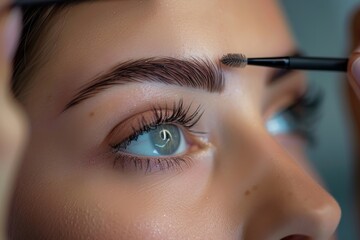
[(234, 60)]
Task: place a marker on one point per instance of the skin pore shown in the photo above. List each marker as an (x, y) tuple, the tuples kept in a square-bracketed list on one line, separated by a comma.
[(237, 181)]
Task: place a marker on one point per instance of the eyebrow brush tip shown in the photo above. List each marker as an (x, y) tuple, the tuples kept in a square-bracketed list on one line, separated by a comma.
[(234, 60)]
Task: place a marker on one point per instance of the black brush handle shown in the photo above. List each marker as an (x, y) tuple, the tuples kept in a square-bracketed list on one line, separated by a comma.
[(302, 63), (324, 64), (23, 3)]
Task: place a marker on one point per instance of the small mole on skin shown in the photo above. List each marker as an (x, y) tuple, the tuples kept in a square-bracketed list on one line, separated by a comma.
[(247, 193), (91, 114)]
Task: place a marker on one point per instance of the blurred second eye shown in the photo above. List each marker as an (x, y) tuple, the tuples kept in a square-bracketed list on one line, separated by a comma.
[(299, 118)]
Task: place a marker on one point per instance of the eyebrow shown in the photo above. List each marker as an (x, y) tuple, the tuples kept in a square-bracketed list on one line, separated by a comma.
[(197, 73)]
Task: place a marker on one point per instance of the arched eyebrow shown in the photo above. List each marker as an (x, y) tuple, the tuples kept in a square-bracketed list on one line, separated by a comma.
[(198, 73)]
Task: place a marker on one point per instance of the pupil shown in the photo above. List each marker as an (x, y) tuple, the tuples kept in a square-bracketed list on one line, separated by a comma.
[(165, 135)]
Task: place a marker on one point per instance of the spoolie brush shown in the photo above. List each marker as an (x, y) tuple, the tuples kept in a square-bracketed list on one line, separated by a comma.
[(234, 60), (300, 63)]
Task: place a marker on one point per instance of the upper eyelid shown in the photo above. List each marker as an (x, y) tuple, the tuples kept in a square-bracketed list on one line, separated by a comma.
[(186, 115)]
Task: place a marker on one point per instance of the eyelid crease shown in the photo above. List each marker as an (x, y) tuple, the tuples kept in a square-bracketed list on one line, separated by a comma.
[(198, 73)]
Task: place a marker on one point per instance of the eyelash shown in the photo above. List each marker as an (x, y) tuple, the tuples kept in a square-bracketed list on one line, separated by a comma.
[(178, 115)]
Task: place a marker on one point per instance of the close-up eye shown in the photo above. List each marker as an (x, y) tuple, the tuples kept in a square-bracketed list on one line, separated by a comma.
[(160, 139)]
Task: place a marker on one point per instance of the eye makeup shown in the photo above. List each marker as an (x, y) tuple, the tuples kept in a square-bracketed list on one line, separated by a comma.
[(160, 121)]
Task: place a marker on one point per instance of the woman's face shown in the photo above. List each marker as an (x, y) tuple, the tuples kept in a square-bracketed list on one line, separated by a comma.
[(139, 133)]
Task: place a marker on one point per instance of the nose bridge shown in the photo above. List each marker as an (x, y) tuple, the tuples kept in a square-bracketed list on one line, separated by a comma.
[(281, 198), (291, 203)]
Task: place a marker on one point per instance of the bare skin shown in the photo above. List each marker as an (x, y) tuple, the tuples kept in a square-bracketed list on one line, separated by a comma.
[(12, 121), (243, 183)]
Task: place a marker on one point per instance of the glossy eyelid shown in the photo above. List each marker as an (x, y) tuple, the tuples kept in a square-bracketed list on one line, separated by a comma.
[(183, 115)]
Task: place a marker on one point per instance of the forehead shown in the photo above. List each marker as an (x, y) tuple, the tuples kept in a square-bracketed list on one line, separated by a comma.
[(91, 37), (131, 29)]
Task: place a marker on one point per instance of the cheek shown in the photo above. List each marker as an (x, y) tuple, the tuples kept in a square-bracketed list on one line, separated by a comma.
[(57, 200), (73, 207)]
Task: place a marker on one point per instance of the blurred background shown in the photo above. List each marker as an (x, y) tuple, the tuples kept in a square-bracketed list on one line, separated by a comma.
[(322, 28)]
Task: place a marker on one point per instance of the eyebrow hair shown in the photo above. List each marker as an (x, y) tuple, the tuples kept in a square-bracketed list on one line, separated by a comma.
[(198, 73)]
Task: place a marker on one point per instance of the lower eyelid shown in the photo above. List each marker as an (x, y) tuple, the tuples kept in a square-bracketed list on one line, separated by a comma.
[(132, 164)]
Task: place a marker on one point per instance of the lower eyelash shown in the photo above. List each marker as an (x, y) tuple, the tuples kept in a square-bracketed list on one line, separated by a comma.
[(152, 165)]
